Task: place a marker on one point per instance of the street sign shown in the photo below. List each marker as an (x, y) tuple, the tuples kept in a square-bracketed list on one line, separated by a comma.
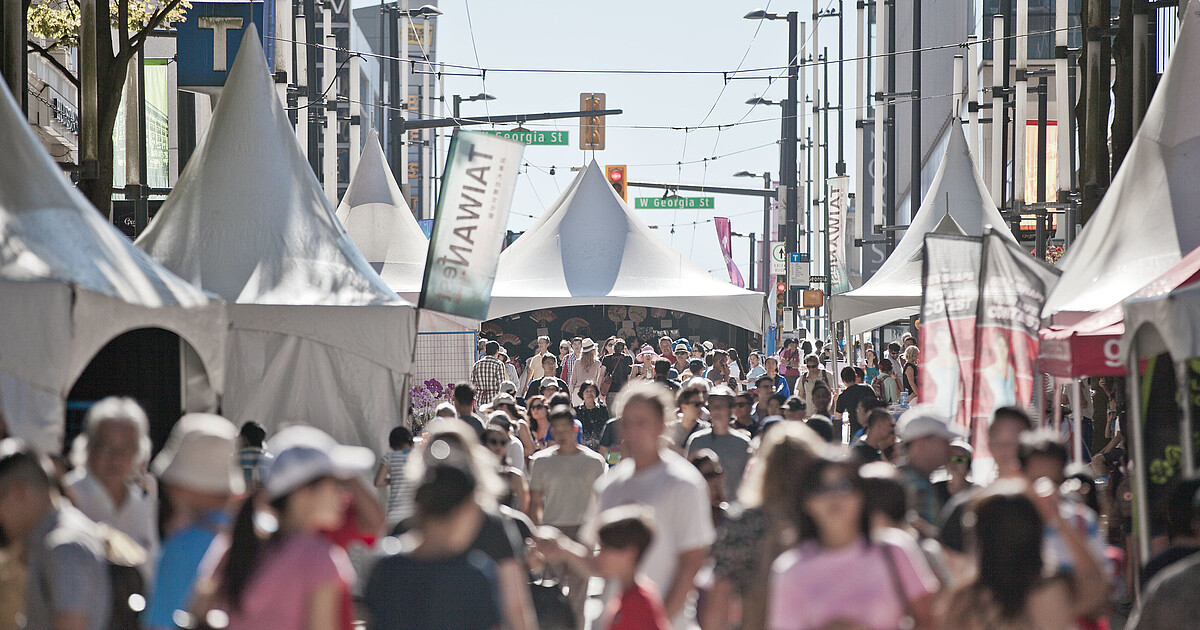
[(818, 279), (799, 269), (208, 40), (525, 136), (812, 298), (778, 259), (591, 128), (676, 203), (789, 319)]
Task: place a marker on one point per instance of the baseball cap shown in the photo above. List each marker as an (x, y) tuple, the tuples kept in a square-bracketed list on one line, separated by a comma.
[(199, 455), (508, 387), (924, 421), (504, 399), (721, 391), (306, 453), (708, 345), (548, 382)]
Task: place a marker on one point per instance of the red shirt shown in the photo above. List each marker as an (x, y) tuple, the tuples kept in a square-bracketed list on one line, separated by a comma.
[(639, 608)]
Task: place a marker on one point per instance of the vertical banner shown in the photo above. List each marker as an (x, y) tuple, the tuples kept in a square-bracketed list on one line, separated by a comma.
[(468, 230), (839, 206), (950, 283), (157, 90), (723, 239), (1012, 291)]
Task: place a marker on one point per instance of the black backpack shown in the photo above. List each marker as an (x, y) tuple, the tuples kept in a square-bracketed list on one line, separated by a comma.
[(127, 587)]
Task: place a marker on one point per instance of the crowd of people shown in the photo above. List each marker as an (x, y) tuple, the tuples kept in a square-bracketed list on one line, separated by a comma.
[(697, 490)]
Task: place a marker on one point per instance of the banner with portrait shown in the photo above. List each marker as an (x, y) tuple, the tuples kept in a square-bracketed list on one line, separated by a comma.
[(950, 286)]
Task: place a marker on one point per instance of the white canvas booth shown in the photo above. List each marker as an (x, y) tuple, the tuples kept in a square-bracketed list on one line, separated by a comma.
[(1150, 216), (379, 221), (316, 336), (590, 249), (1153, 326), (894, 292), (70, 283)]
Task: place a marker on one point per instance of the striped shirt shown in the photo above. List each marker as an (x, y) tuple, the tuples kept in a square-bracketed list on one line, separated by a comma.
[(400, 488)]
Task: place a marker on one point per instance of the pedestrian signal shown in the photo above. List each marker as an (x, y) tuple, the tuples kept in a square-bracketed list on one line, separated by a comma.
[(616, 177)]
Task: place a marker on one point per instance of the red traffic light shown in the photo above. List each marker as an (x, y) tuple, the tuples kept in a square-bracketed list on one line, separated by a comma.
[(616, 175), (781, 286)]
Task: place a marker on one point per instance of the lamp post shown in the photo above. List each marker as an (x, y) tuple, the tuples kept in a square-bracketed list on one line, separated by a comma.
[(459, 100), (765, 266), (788, 169), (398, 88)]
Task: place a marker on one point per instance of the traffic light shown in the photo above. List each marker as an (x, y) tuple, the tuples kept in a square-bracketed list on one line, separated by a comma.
[(616, 177), (780, 295)]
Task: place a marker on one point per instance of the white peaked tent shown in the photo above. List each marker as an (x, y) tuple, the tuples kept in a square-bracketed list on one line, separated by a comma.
[(69, 284), (1150, 217), (316, 336), (589, 248), (894, 292), (379, 221)]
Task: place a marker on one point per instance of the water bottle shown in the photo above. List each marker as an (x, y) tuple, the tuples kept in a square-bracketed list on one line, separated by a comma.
[(904, 400)]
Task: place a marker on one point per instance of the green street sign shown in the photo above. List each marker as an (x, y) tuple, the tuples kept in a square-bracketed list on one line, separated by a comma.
[(531, 137), (675, 203)]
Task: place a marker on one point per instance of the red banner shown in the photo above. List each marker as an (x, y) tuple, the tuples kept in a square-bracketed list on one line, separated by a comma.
[(950, 286), (1012, 291), (723, 238)]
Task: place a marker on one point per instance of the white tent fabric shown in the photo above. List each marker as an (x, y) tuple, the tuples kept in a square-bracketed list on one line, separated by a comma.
[(589, 248), (69, 284), (894, 292), (1150, 216), (379, 221), (1163, 323), (316, 336)]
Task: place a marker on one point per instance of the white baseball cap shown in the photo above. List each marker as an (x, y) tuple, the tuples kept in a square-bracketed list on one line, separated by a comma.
[(199, 455), (923, 421), (305, 453)]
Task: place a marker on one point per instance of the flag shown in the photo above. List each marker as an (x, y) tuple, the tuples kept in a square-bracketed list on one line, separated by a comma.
[(839, 207), (723, 234), (1012, 291), (950, 286), (468, 229)]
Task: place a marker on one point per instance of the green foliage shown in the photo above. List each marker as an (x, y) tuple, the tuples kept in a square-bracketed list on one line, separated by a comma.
[(58, 20)]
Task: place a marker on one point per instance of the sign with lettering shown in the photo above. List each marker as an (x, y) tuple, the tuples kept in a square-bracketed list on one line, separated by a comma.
[(208, 40), (674, 203), (469, 227), (525, 136)]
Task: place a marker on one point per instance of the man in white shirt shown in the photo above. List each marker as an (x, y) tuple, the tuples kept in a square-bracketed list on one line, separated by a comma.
[(661, 479), (533, 369), (118, 443)]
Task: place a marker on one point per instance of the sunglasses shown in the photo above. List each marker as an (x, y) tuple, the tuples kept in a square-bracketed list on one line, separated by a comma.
[(537, 406), (811, 365), (959, 459), (496, 443)]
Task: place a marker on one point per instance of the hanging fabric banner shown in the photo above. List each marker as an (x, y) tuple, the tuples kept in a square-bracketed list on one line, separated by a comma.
[(723, 238), (1012, 291), (839, 207), (468, 229), (950, 283)]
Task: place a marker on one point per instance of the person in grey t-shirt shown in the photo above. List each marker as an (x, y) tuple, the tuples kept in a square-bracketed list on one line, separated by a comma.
[(732, 447), (68, 571)]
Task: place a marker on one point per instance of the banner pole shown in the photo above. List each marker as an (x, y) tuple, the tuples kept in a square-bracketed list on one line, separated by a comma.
[(407, 381), (1077, 419), (1139, 461), (1183, 384)]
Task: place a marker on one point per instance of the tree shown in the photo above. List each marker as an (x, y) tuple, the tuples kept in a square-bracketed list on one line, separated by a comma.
[(130, 23)]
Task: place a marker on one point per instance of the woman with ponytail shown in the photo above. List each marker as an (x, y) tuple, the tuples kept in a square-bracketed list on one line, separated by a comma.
[(278, 571)]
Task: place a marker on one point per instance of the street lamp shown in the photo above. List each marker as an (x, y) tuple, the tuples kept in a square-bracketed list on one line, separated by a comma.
[(788, 153), (758, 100), (459, 100), (766, 233)]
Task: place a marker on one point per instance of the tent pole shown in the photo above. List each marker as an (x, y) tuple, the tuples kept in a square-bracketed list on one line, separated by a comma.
[(1077, 420), (1056, 400), (1039, 390), (1183, 384), (1139, 462), (406, 388)]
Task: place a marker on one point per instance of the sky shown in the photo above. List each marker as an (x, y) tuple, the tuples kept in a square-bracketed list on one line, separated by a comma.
[(698, 35)]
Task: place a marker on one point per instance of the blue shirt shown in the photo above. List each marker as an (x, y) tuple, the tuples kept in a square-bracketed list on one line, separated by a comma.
[(176, 573)]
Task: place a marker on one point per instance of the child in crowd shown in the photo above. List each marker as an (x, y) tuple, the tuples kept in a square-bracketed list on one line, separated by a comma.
[(625, 533), (391, 474)]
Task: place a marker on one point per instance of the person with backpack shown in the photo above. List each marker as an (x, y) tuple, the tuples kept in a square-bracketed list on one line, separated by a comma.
[(886, 386)]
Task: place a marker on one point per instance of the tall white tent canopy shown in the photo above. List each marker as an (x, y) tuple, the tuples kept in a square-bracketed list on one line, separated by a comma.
[(316, 336), (69, 284), (379, 221), (589, 248), (894, 292), (1150, 216)]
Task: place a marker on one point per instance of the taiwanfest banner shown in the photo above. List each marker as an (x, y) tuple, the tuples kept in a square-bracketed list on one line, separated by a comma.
[(468, 229), (724, 232), (950, 283), (1012, 291), (839, 208)]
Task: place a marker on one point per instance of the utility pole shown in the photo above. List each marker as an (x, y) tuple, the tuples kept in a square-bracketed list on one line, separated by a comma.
[(13, 56), (1094, 174), (1040, 235), (890, 124), (914, 186)]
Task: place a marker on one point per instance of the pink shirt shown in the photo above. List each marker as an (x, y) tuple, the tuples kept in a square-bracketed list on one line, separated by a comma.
[(812, 586), (289, 572)]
